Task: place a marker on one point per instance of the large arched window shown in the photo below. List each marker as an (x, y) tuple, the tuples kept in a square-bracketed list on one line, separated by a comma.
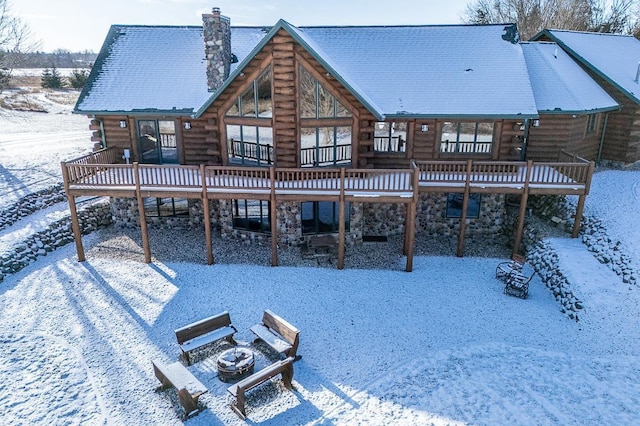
[(325, 125), (248, 124)]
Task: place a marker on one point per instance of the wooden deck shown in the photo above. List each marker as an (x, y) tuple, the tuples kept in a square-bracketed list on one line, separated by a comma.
[(97, 175)]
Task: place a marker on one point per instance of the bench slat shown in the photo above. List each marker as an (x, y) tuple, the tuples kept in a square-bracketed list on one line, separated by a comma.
[(270, 338), (260, 377), (205, 339), (178, 376)]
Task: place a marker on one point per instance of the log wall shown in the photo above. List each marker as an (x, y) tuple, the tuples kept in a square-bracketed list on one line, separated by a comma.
[(558, 132)]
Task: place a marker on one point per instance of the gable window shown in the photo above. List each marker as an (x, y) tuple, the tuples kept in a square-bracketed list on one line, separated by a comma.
[(326, 124), (454, 205), (251, 215), (466, 138), (390, 137), (323, 217), (157, 141), (166, 207), (592, 123), (248, 124)]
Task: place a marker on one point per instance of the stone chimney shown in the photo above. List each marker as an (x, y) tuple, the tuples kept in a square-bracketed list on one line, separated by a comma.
[(217, 47)]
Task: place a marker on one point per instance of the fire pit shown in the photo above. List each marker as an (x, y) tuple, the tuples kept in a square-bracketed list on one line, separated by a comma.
[(235, 363)]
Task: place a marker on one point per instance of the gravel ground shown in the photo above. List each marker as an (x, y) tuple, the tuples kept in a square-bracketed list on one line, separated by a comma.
[(188, 245)]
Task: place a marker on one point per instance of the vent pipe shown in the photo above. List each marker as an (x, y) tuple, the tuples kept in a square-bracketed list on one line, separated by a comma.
[(637, 73)]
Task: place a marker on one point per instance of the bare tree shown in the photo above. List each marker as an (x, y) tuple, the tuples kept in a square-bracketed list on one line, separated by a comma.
[(14, 38), (532, 16)]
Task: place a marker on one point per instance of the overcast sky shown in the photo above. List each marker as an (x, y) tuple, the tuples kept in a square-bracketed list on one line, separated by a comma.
[(83, 24)]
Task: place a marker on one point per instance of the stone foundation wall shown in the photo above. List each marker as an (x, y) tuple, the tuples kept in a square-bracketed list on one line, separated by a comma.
[(384, 219), (431, 216)]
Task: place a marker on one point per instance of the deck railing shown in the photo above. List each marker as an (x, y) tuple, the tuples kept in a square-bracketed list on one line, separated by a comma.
[(153, 175), (394, 182), (503, 173)]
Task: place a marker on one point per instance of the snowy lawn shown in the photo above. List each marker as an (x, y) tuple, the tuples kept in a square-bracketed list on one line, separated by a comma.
[(439, 345)]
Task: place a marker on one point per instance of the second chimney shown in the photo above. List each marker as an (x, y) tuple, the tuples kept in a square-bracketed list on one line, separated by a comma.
[(217, 47)]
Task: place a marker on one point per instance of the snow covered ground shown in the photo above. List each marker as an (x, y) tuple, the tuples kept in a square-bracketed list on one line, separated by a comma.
[(440, 345)]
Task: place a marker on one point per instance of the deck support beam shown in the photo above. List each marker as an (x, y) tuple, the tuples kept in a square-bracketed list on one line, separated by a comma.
[(143, 216), (274, 218), (523, 210), (341, 227), (463, 214), (207, 216), (75, 223), (581, 200)]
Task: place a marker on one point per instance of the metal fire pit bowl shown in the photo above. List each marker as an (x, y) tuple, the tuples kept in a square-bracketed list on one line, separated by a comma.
[(235, 363)]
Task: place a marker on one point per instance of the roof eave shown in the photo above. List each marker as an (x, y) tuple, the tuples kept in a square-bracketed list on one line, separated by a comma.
[(187, 112), (515, 116), (581, 111)]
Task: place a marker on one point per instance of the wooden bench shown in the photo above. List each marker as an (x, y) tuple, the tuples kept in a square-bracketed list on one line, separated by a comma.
[(278, 334), (201, 333), (283, 367), (322, 242), (514, 265), (189, 388)]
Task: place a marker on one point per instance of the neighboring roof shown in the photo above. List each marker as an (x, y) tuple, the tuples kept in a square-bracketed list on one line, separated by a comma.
[(154, 69), (560, 85), (614, 57), (420, 71)]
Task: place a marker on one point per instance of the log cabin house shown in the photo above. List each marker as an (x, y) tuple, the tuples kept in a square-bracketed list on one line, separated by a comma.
[(282, 133), (613, 61)]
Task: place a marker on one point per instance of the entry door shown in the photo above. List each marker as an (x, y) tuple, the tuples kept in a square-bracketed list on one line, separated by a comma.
[(157, 141)]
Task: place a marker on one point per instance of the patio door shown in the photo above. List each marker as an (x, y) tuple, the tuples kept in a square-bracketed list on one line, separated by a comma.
[(157, 141)]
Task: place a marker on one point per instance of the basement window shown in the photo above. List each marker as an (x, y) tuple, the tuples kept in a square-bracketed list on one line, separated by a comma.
[(166, 207), (252, 215), (454, 206)]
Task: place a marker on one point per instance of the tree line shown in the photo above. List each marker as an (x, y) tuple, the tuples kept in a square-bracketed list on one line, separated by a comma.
[(533, 16)]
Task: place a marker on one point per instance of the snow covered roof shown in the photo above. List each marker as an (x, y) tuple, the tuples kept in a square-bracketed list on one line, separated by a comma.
[(421, 71), (154, 69), (445, 70), (452, 71), (614, 57), (559, 84)]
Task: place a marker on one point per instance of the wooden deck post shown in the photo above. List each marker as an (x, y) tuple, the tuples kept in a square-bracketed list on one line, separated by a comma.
[(341, 227), (463, 214), (274, 217), (75, 224), (410, 221), (581, 200), (523, 209), (143, 217), (207, 215)]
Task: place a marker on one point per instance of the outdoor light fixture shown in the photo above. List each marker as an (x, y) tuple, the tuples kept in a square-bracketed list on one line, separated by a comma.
[(536, 122), (187, 125), (425, 127), (123, 123), (380, 125)]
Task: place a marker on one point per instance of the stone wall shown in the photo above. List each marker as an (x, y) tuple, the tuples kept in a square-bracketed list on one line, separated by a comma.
[(30, 204), (431, 216), (57, 234)]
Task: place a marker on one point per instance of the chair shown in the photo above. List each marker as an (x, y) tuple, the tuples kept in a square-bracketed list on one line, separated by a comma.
[(517, 284), (505, 268)]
